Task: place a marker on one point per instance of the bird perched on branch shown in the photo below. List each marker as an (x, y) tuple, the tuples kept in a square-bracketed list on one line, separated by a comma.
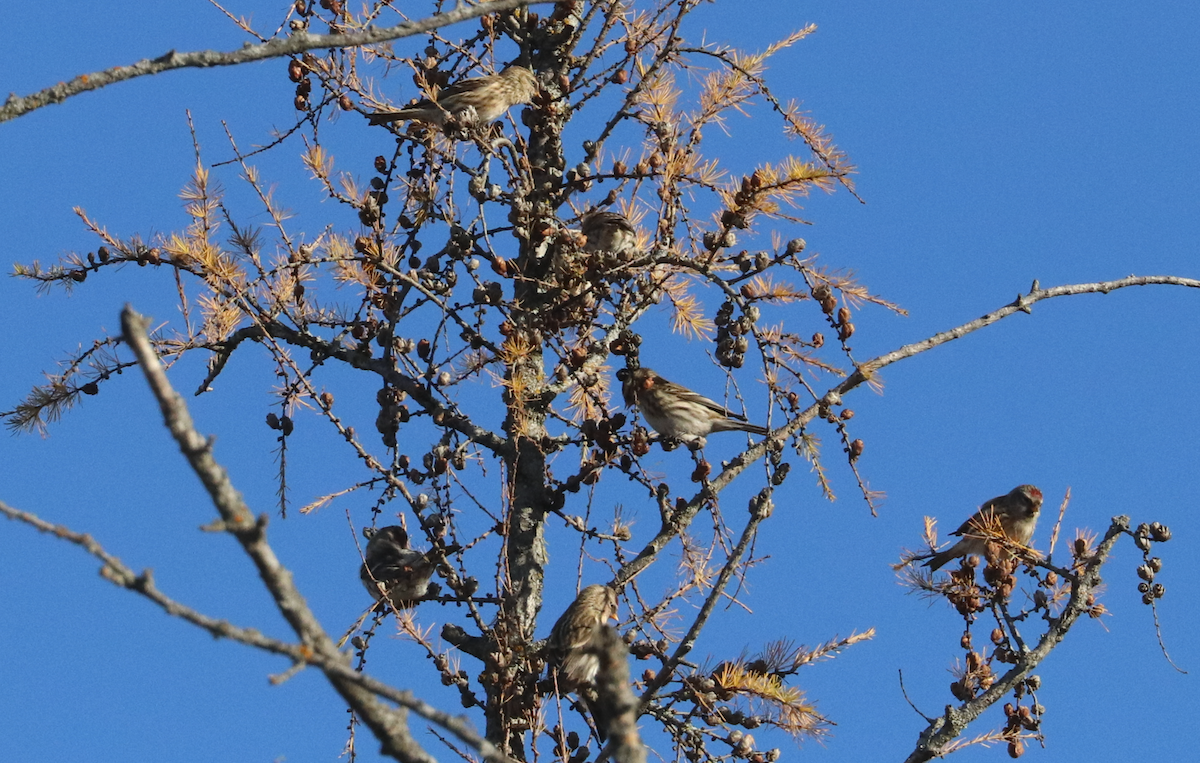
[(393, 571), (607, 232), (571, 650), (475, 101), (675, 411), (573, 637), (1014, 515), (583, 259)]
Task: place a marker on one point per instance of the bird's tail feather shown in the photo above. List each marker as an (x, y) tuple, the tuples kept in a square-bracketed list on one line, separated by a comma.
[(730, 425), (937, 560), (385, 117)]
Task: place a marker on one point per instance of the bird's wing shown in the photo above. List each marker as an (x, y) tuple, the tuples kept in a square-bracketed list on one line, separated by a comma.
[(971, 523), (458, 88), (399, 563), (558, 632), (980, 520), (629, 393), (463, 86), (697, 398)]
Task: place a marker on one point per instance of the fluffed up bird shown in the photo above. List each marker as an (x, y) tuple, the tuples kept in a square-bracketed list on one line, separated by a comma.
[(1016, 513), (606, 240), (573, 635), (393, 571), (475, 101), (607, 232), (675, 411)]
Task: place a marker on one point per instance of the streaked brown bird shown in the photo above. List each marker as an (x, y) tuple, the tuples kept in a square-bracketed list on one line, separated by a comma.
[(607, 232), (608, 241), (475, 101), (675, 411), (573, 635), (1016, 514), (393, 571)]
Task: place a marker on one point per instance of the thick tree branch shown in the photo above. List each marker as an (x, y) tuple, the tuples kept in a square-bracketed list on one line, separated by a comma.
[(389, 725), (17, 106), (615, 695), (118, 573)]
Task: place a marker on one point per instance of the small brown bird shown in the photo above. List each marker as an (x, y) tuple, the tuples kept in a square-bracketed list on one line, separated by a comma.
[(608, 240), (568, 646), (1016, 513), (607, 232), (475, 101), (393, 571), (675, 411)]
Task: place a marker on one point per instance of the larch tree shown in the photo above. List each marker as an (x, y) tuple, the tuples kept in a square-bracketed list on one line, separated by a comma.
[(488, 275)]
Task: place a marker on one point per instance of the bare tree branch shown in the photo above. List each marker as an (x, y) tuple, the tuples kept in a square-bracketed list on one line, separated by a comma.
[(118, 573), (616, 697), (17, 106), (761, 507), (680, 519), (1023, 303), (389, 725)]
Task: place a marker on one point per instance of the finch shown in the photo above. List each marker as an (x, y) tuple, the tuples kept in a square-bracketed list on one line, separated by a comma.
[(393, 571), (475, 101), (1016, 513), (677, 412), (608, 239), (574, 634), (607, 232)]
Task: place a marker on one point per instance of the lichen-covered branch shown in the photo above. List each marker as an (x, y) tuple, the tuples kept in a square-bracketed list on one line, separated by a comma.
[(615, 695)]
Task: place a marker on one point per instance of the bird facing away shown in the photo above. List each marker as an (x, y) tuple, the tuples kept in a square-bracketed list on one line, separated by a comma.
[(393, 571), (675, 411), (607, 232), (573, 635), (475, 101), (1016, 513)]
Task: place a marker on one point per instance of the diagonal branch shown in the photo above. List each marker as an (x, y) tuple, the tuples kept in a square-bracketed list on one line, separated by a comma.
[(761, 507), (680, 519), (118, 573), (1023, 303), (390, 725), (942, 730), (17, 106)]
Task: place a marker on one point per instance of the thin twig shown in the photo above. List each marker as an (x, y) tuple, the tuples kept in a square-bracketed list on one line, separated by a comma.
[(904, 692)]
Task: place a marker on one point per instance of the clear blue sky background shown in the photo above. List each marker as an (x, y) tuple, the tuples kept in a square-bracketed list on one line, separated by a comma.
[(996, 145)]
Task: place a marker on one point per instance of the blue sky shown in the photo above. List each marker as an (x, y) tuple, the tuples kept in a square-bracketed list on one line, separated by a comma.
[(994, 146)]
